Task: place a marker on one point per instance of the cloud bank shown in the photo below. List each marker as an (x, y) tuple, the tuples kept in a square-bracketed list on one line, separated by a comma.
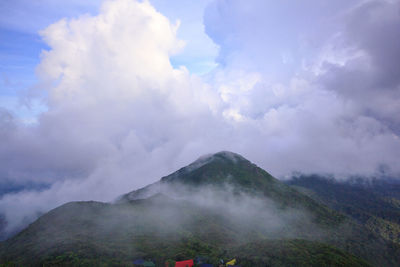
[(307, 88)]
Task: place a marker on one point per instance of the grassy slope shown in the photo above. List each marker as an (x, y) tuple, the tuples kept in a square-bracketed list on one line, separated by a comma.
[(375, 204), (93, 233), (247, 177), (73, 235)]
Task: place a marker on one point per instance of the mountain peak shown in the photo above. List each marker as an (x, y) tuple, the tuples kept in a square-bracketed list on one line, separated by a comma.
[(218, 169), (228, 155), (222, 155)]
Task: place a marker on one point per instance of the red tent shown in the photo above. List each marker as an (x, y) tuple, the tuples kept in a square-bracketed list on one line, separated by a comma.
[(188, 263)]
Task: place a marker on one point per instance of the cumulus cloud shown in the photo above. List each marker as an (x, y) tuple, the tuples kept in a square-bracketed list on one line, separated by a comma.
[(119, 113), (308, 80), (368, 75), (285, 95)]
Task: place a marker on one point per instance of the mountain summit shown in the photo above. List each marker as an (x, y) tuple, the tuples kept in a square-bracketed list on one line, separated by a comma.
[(232, 172), (221, 206), (221, 168)]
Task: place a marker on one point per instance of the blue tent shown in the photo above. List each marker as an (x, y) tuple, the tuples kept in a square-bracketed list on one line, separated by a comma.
[(138, 262), (141, 262), (200, 259)]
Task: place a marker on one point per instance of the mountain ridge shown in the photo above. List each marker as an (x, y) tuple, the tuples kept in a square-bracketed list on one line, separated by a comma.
[(373, 203), (219, 205)]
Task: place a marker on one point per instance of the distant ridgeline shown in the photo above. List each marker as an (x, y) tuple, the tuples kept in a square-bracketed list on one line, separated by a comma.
[(220, 207), (374, 203)]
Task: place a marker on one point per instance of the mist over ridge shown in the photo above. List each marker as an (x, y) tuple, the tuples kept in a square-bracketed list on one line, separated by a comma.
[(220, 205)]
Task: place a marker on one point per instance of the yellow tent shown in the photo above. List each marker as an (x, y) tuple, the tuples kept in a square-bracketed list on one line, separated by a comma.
[(232, 262)]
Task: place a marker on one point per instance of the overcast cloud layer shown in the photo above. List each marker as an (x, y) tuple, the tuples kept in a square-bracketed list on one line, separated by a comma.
[(312, 88)]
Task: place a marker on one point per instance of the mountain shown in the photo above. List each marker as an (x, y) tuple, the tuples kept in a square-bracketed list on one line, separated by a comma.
[(373, 203), (221, 206), (230, 171)]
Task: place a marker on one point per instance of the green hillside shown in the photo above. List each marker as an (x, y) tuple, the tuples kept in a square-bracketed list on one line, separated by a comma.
[(93, 233), (373, 203), (229, 169), (221, 206)]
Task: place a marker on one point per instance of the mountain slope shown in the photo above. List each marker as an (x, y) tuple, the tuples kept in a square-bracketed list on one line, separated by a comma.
[(227, 169), (374, 203), (93, 233), (222, 206)]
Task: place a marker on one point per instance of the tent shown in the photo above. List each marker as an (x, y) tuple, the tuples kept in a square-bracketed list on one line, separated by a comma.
[(141, 262), (231, 263), (200, 259), (188, 263), (138, 261)]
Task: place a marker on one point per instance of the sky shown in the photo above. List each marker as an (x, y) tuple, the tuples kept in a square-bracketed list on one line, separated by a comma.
[(98, 98)]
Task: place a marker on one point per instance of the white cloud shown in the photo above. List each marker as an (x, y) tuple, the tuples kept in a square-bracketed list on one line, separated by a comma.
[(117, 108), (200, 51), (325, 111), (120, 115)]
